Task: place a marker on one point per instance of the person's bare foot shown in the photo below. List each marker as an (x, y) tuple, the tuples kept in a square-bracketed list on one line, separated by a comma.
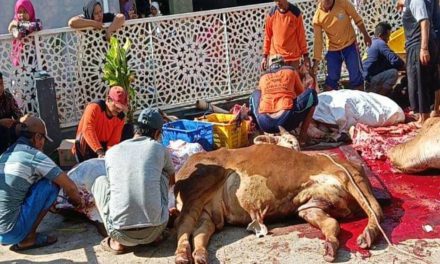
[(421, 120), (435, 113), (35, 240), (116, 245)]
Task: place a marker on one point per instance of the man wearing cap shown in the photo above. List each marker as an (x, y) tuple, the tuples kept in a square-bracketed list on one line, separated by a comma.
[(101, 125), (9, 115), (281, 100), (132, 198), (29, 186)]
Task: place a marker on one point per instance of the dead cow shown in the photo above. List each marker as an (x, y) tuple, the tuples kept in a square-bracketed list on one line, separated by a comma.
[(420, 153), (267, 182)]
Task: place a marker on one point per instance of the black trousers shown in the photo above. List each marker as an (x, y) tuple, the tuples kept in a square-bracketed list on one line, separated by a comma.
[(423, 80), (83, 151)]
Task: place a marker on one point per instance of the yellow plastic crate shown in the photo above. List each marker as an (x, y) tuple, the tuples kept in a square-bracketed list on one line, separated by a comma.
[(397, 41), (225, 134)]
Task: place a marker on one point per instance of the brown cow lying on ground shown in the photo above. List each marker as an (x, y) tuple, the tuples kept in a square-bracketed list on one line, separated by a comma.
[(267, 182), (420, 153)]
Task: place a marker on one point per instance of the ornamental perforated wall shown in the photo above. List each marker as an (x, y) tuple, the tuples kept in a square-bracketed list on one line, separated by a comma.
[(177, 59)]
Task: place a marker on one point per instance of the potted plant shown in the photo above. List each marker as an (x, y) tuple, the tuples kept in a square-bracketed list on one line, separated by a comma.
[(118, 72)]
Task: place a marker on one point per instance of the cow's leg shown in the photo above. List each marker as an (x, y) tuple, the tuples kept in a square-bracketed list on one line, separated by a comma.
[(185, 225), (201, 235), (369, 205), (328, 226)]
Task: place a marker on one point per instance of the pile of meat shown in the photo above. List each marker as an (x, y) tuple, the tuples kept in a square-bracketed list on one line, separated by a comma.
[(374, 142)]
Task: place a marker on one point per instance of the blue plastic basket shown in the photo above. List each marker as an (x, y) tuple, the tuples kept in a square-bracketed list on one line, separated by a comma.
[(189, 131)]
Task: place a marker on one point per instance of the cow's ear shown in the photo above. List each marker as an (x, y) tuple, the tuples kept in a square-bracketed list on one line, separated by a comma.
[(260, 139), (283, 131)]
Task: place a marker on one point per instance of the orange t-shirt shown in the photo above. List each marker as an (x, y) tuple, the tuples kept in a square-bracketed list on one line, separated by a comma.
[(285, 34), (279, 89), (97, 127)]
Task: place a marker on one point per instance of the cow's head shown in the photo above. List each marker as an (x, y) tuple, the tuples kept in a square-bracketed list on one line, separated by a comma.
[(285, 139)]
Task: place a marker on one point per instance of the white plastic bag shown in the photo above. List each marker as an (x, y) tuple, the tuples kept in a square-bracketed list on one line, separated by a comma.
[(346, 108)]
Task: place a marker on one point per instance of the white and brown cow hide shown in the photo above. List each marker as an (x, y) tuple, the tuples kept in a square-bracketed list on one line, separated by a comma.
[(251, 185)]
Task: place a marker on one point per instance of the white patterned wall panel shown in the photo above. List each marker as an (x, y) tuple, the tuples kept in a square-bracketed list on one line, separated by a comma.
[(245, 41), (19, 79), (58, 55), (176, 59), (190, 59)]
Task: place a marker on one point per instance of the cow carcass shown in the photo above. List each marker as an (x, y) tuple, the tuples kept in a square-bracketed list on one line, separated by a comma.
[(250, 185), (420, 153)]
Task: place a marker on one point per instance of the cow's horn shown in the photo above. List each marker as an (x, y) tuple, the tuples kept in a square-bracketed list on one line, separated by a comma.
[(283, 131)]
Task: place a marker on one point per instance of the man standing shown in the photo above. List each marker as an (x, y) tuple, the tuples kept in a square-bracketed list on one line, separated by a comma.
[(420, 21), (101, 125), (382, 64), (285, 35), (132, 198), (281, 100), (29, 185), (9, 116), (334, 18)]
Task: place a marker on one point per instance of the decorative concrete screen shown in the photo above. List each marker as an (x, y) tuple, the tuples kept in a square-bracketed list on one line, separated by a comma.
[(177, 59)]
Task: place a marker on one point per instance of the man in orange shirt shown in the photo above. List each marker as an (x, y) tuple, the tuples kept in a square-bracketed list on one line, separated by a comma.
[(101, 125), (285, 35), (281, 100)]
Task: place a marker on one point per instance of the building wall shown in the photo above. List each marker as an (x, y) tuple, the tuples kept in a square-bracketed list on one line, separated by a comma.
[(53, 13)]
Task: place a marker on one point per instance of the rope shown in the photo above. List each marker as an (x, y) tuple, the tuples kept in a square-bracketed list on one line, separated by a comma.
[(390, 244)]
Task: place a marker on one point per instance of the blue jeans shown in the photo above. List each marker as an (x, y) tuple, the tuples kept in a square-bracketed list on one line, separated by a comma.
[(40, 197), (290, 119), (352, 60)]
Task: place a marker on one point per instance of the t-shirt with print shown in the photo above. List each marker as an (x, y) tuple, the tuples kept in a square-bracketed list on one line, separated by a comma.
[(20, 167), (138, 171)]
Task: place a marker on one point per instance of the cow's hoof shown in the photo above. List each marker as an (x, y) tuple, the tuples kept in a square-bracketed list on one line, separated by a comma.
[(331, 249), (183, 254), (200, 256), (365, 240), (182, 259)]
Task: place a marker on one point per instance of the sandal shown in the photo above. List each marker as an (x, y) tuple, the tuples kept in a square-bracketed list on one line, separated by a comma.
[(41, 240), (105, 245)]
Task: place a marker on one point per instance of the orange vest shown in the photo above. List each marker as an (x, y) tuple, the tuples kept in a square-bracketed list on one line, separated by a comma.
[(279, 89)]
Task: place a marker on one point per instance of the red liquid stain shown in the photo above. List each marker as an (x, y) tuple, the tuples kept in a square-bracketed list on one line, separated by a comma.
[(415, 202)]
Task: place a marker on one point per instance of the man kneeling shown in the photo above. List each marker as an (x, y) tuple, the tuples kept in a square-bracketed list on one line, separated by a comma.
[(132, 198), (29, 186), (281, 100)]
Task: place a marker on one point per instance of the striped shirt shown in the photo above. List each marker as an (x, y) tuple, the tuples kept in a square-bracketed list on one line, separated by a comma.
[(21, 166)]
